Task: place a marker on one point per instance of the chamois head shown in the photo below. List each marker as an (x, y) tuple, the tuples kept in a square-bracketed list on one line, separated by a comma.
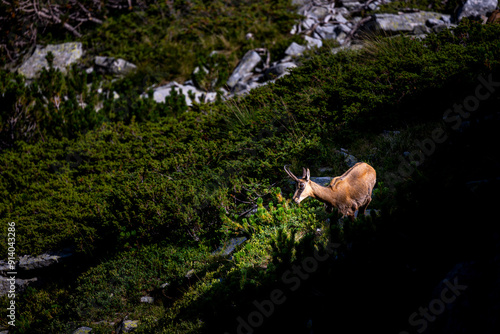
[(303, 186)]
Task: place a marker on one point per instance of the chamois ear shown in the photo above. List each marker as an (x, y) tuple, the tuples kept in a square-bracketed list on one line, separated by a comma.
[(308, 175)]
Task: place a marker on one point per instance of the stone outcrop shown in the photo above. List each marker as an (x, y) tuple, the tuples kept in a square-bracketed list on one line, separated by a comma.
[(244, 68), (64, 55), (413, 23), (476, 9), (114, 66), (28, 262), (20, 284), (229, 247), (191, 93), (127, 326)]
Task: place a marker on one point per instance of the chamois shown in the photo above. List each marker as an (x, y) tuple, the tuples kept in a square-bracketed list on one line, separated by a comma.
[(349, 192)]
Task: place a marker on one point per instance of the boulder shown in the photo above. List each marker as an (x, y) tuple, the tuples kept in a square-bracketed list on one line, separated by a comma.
[(295, 49), (352, 47), (319, 12), (246, 65), (82, 330), (322, 180), (64, 55), (344, 28), (413, 23), (278, 70), (349, 159), (28, 262), (308, 23), (340, 18), (313, 42), (114, 66), (4, 267), (127, 326), (351, 5), (21, 284), (476, 8), (189, 92), (229, 246), (327, 31), (300, 2), (147, 299)]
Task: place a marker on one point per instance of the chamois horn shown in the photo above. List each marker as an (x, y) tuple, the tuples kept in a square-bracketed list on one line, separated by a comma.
[(293, 177)]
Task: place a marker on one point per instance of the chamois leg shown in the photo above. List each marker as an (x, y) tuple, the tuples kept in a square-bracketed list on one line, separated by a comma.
[(351, 213), (363, 207)]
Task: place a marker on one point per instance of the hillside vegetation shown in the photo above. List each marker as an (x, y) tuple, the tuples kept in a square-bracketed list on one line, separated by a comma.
[(143, 193)]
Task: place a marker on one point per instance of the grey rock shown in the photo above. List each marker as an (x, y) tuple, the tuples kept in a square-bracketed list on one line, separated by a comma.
[(345, 12), (114, 66), (352, 47), (28, 262), (446, 19), (325, 169), (344, 28), (64, 55), (476, 8), (327, 31), (340, 18), (349, 159), (300, 2), (373, 6), (240, 87), (190, 273), (82, 330), (246, 65), (319, 12), (4, 267), (322, 180), (160, 93), (127, 326), (279, 70), (433, 22), (308, 23), (421, 30), (407, 22), (351, 5), (20, 284), (316, 35), (229, 246), (440, 27), (313, 42), (147, 299), (341, 37)]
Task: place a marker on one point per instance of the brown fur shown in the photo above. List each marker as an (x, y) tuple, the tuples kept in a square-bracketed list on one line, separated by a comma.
[(349, 192), (494, 17)]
